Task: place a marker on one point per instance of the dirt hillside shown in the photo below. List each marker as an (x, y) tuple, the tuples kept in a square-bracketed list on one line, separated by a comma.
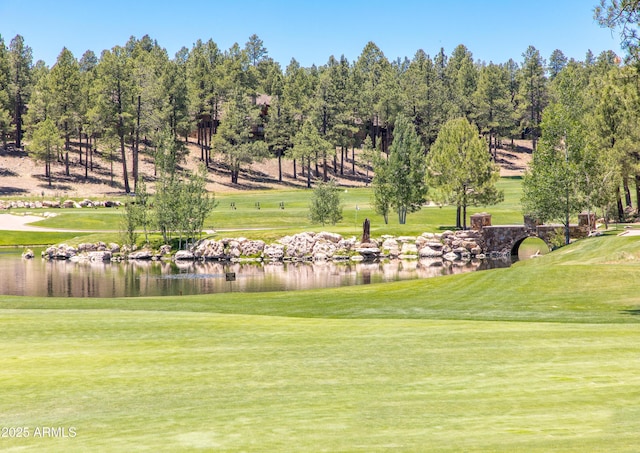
[(21, 176)]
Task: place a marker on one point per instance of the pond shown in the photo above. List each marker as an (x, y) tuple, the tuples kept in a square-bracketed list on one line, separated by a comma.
[(38, 277)]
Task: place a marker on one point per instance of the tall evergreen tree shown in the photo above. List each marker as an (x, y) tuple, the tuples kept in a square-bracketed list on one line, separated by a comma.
[(5, 99), (256, 51), (492, 104), (462, 76), (369, 70), (65, 89), (203, 66), (116, 99), (422, 97), (403, 173), (461, 169), (236, 139), (533, 93), (44, 144), (20, 63), (557, 62)]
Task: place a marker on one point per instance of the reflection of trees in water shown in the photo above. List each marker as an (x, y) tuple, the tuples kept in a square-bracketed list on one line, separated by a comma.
[(155, 278)]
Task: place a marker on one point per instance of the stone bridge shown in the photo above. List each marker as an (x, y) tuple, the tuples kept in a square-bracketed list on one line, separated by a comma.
[(506, 239)]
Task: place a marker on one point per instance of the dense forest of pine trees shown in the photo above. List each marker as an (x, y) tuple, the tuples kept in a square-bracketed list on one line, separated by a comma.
[(240, 104)]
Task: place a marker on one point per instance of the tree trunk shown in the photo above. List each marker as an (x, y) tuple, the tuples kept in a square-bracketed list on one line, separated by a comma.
[(92, 146), (325, 177), (637, 177), (123, 155), (353, 159), (627, 192), (279, 166), (80, 144), (464, 216), (619, 205), (342, 160), (18, 119), (402, 215), (136, 148), (209, 143), (295, 171), (66, 149), (458, 217), (86, 157), (309, 172), (200, 141)]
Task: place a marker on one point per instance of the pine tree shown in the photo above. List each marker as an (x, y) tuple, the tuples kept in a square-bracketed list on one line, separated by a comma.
[(461, 169), (20, 64), (401, 182)]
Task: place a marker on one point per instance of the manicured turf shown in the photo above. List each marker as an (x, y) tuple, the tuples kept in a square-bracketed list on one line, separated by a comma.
[(25, 238), (270, 222), (542, 356)]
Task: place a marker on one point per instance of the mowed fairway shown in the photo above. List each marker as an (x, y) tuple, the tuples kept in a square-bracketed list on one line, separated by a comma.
[(543, 356)]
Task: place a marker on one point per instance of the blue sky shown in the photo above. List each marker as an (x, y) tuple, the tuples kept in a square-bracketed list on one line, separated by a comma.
[(311, 31)]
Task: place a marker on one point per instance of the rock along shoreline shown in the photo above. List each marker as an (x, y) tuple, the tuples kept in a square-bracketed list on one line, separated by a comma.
[(307, 246)]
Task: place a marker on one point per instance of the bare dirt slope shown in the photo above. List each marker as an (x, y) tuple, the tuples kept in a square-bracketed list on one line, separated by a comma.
[(21, 176)]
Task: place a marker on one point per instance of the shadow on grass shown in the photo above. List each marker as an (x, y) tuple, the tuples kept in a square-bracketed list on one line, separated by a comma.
[(634, 312)]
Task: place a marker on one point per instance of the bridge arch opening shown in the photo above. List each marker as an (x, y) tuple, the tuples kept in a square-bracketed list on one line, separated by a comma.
[(529, 246)]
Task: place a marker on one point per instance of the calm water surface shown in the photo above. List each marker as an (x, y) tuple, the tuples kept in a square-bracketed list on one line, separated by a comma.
[(38, 277)]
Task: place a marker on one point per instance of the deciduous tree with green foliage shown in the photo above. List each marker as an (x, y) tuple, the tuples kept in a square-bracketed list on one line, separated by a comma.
[(461, 169), (325, 204), (181, 201), (553, 187)]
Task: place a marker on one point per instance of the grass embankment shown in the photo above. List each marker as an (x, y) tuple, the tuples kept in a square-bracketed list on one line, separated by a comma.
[(542, 356)]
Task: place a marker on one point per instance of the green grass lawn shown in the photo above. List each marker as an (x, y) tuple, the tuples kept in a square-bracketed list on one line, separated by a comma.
[(270, 222), (543, 356)]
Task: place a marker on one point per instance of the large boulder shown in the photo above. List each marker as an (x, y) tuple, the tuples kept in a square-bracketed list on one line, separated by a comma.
[(274, 252), (144, 254), (104, 255), (409, 249), (430, 252), (299, 246), (390, 247), (60, 252), (183, 255), (209, 249), (87, 247), (323, 250), (253, 249), (331, 237)]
